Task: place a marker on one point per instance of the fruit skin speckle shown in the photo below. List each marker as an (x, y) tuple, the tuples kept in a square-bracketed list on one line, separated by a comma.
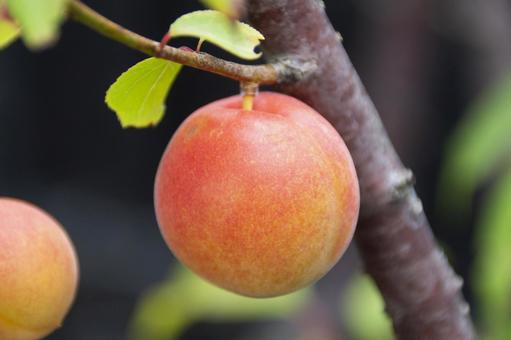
[(260, 202), (38, 272)]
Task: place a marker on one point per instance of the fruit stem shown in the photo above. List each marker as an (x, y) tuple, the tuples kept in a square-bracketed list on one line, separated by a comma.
[(248, 102), (248, 91)]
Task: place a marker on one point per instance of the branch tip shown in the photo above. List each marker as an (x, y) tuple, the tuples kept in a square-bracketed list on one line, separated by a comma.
[(293, 68)]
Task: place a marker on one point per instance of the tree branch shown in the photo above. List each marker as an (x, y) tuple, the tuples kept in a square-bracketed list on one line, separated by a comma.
[(421, 292), (262, 74)]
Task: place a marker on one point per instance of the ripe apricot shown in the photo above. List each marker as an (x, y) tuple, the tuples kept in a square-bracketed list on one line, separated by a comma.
[(38, 272), (260, 202)]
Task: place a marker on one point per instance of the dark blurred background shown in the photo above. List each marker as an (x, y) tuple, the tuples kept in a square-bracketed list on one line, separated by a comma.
[(423, 62)]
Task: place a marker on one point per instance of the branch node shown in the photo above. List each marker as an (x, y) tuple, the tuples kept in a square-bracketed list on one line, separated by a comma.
[(465, 308), (417, 207), (396, 188), (292, 68), (338, 36), (321, 4), (400, 183)]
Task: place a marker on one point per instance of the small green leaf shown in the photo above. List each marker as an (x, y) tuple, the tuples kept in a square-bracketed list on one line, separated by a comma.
[(138, 95), (492, 273), (363, 309), (168, 309), (233, 36), (477, 147), (9, 31), (231, 8), (40, 20)]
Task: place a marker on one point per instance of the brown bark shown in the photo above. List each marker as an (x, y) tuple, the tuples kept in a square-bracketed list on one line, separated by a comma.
[(421, 292)]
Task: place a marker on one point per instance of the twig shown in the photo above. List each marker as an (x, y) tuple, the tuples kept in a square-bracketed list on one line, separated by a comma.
[(421, 291), (262, 74)]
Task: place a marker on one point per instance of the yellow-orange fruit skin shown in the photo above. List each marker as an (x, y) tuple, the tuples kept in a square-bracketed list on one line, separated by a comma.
[(38, 272), (260, 202)]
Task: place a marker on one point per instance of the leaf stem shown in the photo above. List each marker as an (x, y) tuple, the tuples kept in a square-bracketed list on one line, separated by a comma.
[(262, 74)]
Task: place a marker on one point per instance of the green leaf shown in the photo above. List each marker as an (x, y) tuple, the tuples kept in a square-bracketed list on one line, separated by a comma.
[(492, 273), (233, 36), (477, 147), (138, 95), (165, 311), (9, 31), (231, 8), (363, 309), (40, 20)]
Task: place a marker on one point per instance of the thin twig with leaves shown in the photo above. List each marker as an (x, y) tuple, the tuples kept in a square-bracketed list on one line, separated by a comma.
[(421, 291), (262, 74)]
